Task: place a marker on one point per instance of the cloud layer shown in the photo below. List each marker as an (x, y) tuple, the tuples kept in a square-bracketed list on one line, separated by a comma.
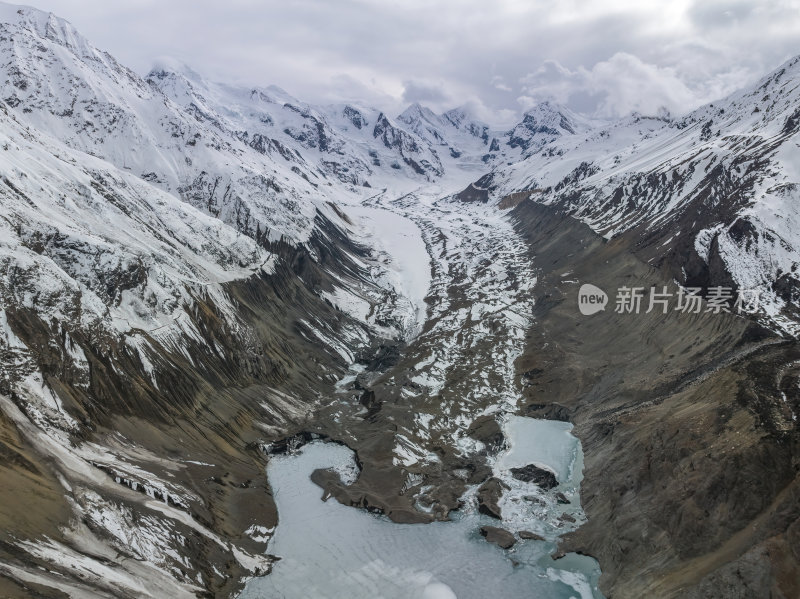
[(601, 59)]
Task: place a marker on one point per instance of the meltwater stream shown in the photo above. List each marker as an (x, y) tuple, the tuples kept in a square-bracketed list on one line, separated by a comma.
[(329, 551)]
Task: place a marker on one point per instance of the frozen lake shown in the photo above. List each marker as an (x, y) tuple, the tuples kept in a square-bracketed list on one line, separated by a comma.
[(331, 551)]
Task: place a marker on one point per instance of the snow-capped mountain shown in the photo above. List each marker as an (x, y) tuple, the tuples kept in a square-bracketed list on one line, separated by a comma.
[(56, 81), (193, 274), (255, 158), (464, 137), (544, 124), (711, 196)]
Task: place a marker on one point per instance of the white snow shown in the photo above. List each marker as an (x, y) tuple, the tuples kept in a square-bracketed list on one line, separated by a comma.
[(408, 264), (122, 199)]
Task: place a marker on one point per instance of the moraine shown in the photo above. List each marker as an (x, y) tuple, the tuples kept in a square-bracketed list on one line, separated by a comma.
[(329, 550)]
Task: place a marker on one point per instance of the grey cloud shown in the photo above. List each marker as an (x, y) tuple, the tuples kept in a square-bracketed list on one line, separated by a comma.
[(714, 14), (611, 88), (456, 51), (415, 91)]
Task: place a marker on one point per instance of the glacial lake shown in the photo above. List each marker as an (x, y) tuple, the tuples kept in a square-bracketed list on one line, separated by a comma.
[(329, 551)]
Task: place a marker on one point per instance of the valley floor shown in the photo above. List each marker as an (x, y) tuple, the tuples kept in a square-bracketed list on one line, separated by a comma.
[(427, 416), (416, 350)]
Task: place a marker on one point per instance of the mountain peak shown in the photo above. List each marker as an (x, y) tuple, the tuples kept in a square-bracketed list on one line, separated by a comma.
[(555, 117), (547, 107), (463, 117), (45, 25), (168, 66), (26, 15), (416, 112), (458, 115), (543, 123), (175, 79)]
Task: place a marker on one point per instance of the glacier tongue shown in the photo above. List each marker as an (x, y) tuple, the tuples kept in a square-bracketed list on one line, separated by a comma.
[(193, 274), (409, 269)]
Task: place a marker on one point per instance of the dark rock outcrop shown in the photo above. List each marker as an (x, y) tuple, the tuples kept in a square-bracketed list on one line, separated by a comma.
[(489, 493), (486, 430), (498, 536), (530, 536), (531, 473)]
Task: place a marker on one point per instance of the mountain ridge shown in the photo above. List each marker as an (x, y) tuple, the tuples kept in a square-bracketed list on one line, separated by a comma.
[(682, 187), (188, 281)]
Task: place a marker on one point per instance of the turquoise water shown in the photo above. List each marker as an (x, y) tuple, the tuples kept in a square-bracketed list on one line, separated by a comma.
[(331, 551)]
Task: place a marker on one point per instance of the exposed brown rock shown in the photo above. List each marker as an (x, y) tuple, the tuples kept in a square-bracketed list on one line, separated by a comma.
[(566, 518), (217, 409), (486, 430), (498, 536), (531, 473), (690, 468), (489, 493)]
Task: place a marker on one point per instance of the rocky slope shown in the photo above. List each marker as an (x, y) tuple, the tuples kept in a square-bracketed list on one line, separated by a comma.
[(143, 364), (180, 289), (165, 313), (194, 276), (711, 197), (688, 420)]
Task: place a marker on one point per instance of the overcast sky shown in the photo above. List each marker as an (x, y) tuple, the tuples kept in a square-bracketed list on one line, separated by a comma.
[(599, 58)]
